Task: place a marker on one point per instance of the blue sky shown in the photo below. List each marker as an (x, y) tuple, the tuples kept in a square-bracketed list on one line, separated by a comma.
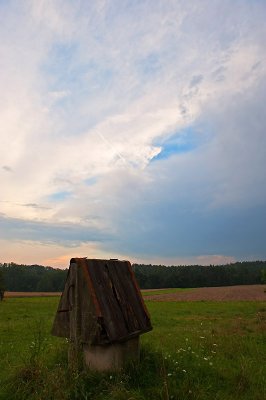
[(133, 130)]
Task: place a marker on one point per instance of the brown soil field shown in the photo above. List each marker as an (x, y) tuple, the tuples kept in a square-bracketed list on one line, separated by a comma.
[(32, 294), (225, 293)]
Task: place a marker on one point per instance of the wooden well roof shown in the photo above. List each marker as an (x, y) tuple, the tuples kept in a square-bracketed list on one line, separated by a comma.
[(101, 303)]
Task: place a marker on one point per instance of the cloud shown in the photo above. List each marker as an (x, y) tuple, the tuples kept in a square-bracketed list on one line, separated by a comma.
[(57, 255), (196, 80), (147, 131), (45, 232), (36, 206), (7, 168)]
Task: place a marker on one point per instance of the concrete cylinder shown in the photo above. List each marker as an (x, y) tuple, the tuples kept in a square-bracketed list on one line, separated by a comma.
[(113, 356)]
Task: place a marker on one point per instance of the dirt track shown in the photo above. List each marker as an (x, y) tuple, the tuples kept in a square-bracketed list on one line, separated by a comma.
[(32, 294), (226, 293)]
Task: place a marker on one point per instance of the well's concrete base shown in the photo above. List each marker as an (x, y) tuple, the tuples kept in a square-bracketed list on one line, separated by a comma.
[(111, 357)]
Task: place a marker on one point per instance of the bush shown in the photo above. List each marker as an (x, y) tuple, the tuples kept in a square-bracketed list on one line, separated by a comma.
[(2, 286)]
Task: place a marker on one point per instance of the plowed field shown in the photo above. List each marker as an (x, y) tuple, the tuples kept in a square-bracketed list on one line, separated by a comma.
[(225, 293)]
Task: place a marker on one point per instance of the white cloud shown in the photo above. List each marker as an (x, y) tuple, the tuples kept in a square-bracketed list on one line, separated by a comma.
[(89, 90)]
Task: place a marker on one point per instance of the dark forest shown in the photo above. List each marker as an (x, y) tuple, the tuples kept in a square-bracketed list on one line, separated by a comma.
[(37, 278)]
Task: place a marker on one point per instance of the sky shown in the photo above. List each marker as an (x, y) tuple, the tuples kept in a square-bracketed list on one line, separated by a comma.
[(132, 130)]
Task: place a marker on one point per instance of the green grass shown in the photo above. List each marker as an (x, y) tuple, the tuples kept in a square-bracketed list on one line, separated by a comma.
[(197, 350)]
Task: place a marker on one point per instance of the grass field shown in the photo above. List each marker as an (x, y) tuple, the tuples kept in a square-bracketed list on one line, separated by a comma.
[(197, 350)]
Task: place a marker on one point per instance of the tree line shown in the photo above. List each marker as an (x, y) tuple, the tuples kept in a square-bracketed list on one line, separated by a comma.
[(32, 278), (37, 278), (191, 276), (2, 286)]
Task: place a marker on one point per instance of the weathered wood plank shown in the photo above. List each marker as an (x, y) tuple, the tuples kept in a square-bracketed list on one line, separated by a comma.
[(101, 303), (121, 303)]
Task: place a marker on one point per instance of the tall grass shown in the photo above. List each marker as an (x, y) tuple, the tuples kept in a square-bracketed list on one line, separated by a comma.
[(196, 351)]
